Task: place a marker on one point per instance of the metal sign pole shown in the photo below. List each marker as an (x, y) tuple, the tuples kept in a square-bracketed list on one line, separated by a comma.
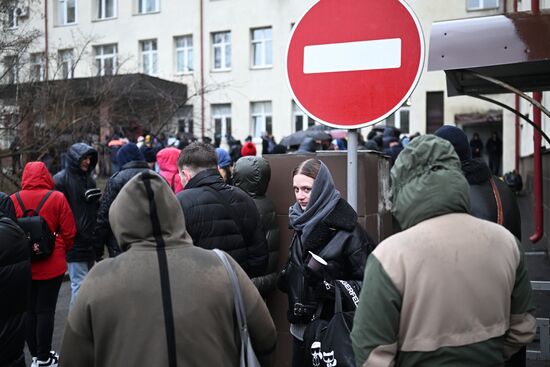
[(352, 168)]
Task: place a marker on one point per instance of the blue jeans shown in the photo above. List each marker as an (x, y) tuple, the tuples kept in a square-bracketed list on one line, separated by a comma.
[(77, 273)]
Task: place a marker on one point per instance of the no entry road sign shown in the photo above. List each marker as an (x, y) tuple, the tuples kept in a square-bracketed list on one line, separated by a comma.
[(352, 63)]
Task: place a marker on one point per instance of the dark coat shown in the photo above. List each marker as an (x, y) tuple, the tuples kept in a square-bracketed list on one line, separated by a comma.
[(15, 282), (73, 182), (212, 225), (346, 256), (252, 175), (482, 198), (113, 187)]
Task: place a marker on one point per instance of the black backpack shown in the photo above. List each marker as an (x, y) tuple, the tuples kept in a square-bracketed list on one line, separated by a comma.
[(41, 239)]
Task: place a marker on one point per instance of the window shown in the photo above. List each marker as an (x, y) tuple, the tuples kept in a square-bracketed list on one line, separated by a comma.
[(400, 119), (184, 54), (149, 57), (262, 55), (300, 118), (148, 6), (221, 117), (66, 63), (11, 65), (38, 67), (482, 4), (434, 111), (185, 120), (106, 59), (13, 18), (67, 11), (261, 118), (221, 49), (106, 9)]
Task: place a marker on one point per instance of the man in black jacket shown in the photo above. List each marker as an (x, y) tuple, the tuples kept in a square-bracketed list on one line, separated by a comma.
[(74, 182), (15, 283), (491, 199), (131, 162), (218, 215)]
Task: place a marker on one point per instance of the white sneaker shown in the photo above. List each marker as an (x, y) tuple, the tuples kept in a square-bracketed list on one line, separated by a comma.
[(50, 362), (33, 364)]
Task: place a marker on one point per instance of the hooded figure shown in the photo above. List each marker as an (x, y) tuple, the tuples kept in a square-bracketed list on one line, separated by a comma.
[(167, 160), (252, 175), (15, 285), (47, 274), (483, 185), (132, 162), (326, 225), (184, 313), (450, 289), (74, 182)]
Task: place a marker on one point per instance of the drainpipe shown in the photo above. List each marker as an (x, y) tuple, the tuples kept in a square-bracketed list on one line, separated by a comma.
[(537, 161), (202, 64), (46, 43), (518, 135), (515, 6)]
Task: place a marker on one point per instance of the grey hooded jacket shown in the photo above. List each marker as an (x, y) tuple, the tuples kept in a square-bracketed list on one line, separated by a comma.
[(163, 301)]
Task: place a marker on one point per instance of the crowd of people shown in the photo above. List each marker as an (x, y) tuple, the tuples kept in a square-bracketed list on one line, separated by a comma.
[(450, 288)]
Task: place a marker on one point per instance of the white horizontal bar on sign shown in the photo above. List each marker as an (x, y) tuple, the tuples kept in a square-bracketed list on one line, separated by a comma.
[(353, 56)]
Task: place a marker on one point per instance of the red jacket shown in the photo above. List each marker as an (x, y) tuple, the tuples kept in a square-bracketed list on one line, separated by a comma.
[(56, 212), (167, 160)]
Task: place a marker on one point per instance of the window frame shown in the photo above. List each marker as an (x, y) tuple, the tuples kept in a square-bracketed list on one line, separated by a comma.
[(102, 57), (223, 45), (264, 115), (188, 54), (101, 7), (62, 60), (142, 5), (298, 112), (222, 111), (185, 121), (38, 66), (482, 6), (151, 55), (265, 46), (13, 18), (11, 63), (63, 12)]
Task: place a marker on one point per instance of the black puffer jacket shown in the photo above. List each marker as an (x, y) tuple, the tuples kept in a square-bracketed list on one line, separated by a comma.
[(252, 175), (211, 225), (73, 183), (482, 198), (15, 283), (113, 187), (338, 239)]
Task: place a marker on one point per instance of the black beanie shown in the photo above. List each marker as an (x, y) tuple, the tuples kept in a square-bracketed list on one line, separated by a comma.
[(458, 139)]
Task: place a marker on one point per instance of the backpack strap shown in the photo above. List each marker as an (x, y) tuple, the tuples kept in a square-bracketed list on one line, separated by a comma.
[(18, 197), (41, 203), (498, 201)]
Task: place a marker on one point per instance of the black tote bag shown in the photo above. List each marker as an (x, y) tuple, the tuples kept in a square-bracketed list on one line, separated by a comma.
[(328, 342)]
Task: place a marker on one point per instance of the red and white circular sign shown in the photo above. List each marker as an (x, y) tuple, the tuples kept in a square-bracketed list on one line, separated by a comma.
[(352, 63)]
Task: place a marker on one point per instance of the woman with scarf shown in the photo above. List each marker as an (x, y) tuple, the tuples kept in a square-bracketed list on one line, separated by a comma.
[(324, 225)]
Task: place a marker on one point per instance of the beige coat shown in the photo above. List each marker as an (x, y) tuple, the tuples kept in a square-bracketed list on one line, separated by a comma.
[(119, 317)]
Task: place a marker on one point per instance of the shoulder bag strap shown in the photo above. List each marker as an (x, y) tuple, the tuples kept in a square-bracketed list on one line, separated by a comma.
[(23, 209), (41, 203), (237, 297), (172, 186), (227, 207), (500, 216)]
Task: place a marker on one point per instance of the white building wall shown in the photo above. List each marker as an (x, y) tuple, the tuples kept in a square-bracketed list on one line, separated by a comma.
[(242, 85)]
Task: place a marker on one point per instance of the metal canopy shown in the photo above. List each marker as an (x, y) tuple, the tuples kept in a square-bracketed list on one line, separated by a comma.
[(512, 48)]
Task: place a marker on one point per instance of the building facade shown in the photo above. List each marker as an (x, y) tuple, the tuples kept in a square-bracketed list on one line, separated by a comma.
[(230, 54)]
